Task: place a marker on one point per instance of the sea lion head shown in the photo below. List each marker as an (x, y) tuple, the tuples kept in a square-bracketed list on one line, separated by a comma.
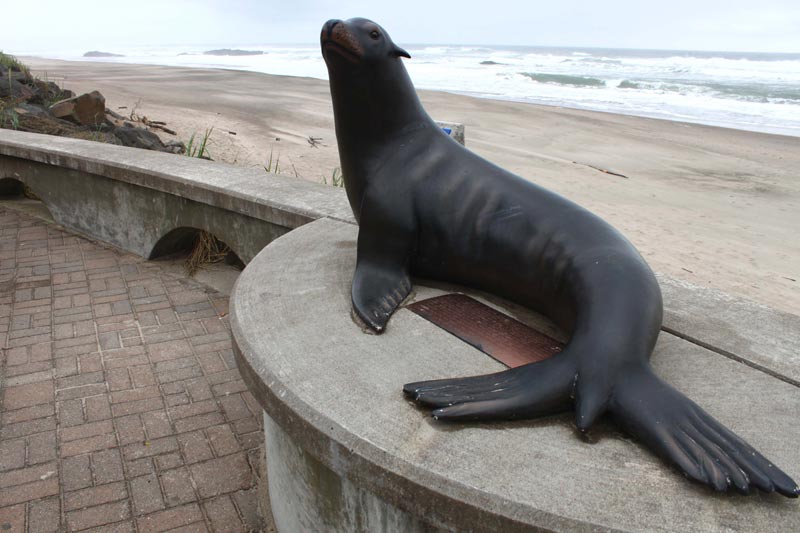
[(357, 41)]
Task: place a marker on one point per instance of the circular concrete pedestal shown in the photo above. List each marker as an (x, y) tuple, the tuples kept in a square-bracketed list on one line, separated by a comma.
[(346, 451)]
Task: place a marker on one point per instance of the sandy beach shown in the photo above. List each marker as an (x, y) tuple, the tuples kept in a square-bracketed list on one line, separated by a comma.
[(715, 207)]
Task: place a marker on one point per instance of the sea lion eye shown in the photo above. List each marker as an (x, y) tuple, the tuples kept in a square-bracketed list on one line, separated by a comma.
[(374, 34)]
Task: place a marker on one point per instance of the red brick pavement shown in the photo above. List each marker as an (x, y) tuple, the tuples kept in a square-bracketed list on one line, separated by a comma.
[(121, 405)]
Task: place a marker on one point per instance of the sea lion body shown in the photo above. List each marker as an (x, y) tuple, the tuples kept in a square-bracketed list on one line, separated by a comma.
[(428, 207)]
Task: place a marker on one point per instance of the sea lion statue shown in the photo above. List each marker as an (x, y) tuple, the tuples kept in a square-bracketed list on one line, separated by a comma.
[(428, 207)]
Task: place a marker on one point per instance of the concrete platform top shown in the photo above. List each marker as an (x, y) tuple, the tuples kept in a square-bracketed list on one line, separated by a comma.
[(337, 392)]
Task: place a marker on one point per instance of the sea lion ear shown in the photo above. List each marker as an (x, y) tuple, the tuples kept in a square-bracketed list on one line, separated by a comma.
[(399, 52)]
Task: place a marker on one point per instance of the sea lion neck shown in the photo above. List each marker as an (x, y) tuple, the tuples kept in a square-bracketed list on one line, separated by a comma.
[(372, 103)]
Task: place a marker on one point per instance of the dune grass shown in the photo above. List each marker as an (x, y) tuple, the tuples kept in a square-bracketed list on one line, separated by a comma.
[(12, 63), (337, 179), (199, 148)]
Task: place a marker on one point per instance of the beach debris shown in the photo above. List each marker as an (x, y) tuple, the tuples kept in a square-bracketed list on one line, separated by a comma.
[(315, 142), (231, 133), (207, 249), (790, 279), (141, 119), (603, 170), (113, 114), (687, 270), (156, 124), (88, 109)]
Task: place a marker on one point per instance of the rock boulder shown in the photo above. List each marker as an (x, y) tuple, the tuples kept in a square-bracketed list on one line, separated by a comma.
[(87, 109), (11, 88), (130, 135)]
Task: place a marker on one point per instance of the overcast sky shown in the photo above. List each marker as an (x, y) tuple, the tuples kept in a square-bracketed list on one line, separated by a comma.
[(732, 25)]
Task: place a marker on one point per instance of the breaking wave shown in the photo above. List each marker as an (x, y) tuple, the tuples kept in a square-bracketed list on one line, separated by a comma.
[(752, 91), (565, 79)]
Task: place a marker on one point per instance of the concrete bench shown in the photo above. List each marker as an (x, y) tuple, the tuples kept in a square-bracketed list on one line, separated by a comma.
[(144, 202), (346, 451)]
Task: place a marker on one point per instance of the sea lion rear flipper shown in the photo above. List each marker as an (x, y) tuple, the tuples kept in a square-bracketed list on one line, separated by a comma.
[(381, 281), (685, 435), (528, 391)]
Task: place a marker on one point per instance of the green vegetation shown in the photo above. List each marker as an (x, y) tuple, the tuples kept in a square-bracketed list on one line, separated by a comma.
[(274, 168), (52, 97), (337, 179), (44, 92), (199, 150), (12, 63), (8, 116)]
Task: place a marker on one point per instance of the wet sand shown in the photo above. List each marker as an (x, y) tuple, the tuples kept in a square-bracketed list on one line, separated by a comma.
[(712, 206)]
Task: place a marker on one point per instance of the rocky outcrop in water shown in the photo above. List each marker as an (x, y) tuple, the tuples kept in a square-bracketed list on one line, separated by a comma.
[(96, 53), (233, 52)]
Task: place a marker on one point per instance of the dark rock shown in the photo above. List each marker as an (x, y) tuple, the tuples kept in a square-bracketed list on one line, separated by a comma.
[(106, 137), (22, 76), (47, 92), (95, 53), (87, 109), (31, 109), (11, 88), (175, 147), (44, 123), (139, 138)]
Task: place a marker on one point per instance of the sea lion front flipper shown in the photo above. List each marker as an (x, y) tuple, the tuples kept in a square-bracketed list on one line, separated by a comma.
[(528, 391), (381, 281), (685, 435)]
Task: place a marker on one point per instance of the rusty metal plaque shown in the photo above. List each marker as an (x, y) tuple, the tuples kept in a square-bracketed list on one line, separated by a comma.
[(496, 334)]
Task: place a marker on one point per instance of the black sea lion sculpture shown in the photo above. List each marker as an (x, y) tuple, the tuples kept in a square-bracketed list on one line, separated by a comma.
[(427, 206)]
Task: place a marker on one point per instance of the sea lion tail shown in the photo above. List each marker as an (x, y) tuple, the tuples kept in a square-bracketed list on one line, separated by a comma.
[(686, 436), (592, 397)]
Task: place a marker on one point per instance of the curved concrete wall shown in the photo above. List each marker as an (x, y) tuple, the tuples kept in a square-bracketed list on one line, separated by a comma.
[(133, 198)]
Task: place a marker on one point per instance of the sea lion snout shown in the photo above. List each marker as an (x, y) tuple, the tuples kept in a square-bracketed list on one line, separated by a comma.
[(337, 36), (327, 29)]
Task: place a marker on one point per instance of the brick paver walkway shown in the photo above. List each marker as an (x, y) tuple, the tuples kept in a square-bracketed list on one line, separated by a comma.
[(122, 407)]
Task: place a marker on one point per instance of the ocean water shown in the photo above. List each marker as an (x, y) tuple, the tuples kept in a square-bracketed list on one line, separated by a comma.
[(749, 91)]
